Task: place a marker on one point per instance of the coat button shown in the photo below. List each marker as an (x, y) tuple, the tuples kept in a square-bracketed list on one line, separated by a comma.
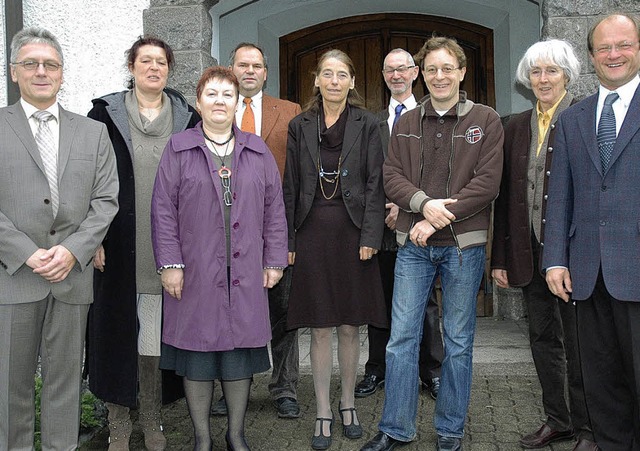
[(603, 223), (548, 173), (549, 149), (541, 244), (546, 196), (52, 232), (544, 221), (47, 201), (236, 282), (236, 225), (236, 254), (345, 172), (603, 188), (439, 135), (347, 193)]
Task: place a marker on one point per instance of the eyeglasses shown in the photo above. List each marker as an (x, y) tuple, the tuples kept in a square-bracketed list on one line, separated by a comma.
[(620, 47), (225, 179), (431, 71), (537, 72), (400, 69), (30, 65)]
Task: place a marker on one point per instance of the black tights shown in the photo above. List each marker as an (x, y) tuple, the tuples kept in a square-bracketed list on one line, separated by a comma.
[(199, 397)]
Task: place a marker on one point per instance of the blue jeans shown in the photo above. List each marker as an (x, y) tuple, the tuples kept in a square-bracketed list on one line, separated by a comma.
[(415, 274)]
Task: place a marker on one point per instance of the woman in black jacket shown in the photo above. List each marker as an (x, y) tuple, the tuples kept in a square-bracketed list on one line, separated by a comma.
[(335, 214)]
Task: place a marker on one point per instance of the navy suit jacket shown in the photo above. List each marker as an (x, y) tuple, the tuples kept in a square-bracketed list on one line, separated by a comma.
[(593, 219)]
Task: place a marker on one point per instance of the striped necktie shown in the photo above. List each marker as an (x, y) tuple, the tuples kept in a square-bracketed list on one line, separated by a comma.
[(49, 155), (607, 131), (399, 109)]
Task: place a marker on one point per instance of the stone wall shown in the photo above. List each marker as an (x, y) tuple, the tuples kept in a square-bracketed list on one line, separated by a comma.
[(186, 24)]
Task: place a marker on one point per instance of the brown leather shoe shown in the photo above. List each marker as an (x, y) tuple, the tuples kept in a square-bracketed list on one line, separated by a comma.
[(585, 445), (543, 436)]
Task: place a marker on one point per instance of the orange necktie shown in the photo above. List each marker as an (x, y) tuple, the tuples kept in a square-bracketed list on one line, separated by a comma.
[(248, 119)]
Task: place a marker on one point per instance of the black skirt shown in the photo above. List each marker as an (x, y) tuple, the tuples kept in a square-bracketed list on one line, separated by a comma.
[(236, 364)]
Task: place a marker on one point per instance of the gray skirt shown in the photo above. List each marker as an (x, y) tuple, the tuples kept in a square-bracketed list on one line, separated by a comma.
[(241, 363)]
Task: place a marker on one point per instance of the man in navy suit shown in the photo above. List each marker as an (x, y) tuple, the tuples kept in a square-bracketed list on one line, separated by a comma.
[(592, 248)]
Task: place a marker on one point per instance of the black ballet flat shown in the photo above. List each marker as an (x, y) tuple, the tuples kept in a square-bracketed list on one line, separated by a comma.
[(353, 430), (322, 441)]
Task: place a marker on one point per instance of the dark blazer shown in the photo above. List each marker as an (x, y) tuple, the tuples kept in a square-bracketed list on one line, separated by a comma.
[(511, 247), (276, 114), (360, 176), (593, 219), (88, 187)]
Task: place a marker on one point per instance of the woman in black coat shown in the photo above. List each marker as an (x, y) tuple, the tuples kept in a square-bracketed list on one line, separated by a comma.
[(123, 337)]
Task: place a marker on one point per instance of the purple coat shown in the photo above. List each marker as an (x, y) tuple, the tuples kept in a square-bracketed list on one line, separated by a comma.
[(187, 226)]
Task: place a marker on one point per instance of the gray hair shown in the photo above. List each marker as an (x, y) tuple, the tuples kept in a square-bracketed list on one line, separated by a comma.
[(405, 53), (34, 35), (557, 51)]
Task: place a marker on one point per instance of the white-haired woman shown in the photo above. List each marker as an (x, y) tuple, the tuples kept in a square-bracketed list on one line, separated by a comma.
[(547, 68)]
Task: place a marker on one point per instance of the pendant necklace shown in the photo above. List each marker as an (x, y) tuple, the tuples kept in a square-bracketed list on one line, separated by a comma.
[(332, 177), (223, 171)]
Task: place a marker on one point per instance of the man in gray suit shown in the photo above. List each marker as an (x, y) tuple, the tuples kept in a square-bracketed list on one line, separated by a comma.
[(592, 239), (58, 194)]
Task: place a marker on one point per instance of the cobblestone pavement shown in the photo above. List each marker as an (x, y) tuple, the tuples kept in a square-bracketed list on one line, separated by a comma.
[(505, 404)]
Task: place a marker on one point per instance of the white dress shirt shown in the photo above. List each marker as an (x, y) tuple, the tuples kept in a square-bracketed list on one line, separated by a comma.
[(256, 104), (409, 104)]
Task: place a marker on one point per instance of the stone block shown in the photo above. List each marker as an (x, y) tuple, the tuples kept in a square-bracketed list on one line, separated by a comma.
[(184, 27), (188, 69), (509, 303), (206, 3), (586, 85), (555, 8)]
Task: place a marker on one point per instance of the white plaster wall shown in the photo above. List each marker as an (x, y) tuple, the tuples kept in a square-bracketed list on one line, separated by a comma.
[(3, 60), (516, 25), (94, 35)]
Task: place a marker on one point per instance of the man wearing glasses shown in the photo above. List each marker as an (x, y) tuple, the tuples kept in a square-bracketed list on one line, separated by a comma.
[(592, 238), (58, 194), (399, 71), (443, 171)]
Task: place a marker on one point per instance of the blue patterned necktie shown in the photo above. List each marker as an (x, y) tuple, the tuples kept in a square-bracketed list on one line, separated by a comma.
[(607, 131), (399, 109)]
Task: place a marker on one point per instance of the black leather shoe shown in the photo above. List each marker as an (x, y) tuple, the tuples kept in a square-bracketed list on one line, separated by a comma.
[(352, 430), (219, 408), (449, 444), (287, 407), (381, 442), (322, 441), (368, 385), (543, 436), (432, 386)]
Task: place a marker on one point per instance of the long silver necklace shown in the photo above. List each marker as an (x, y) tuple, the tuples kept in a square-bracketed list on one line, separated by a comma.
[(332, 177), (224, 172)]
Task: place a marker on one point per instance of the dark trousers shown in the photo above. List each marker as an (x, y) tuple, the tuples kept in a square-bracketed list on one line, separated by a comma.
[(431, 349), (284, 343), (554, 346), (609, 341)]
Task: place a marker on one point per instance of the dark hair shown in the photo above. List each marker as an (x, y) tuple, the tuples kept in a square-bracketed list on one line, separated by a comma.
[(217, 72), (439, 42), (353, 97), (132, 54), (34, 35), (232, 55), (592, 30)]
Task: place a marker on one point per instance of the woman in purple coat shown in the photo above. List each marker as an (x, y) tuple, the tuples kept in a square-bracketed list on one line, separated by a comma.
[(220, 241)]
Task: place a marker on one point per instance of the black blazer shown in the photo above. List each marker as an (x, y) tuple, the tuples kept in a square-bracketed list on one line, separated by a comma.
[(360, 176)]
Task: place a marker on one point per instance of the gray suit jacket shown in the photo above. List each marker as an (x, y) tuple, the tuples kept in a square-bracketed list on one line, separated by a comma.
[(88, 188), (593, 219)]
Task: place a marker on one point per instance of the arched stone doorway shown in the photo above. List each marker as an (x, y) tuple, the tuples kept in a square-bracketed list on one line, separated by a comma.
[(367, 39)]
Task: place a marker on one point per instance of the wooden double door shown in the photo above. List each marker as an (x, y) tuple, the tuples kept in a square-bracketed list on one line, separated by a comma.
[(367, 40)]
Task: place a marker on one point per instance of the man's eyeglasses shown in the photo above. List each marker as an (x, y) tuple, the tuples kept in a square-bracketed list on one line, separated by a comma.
[(620, 47), (400, 69), (446, 70), (30, 65)]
